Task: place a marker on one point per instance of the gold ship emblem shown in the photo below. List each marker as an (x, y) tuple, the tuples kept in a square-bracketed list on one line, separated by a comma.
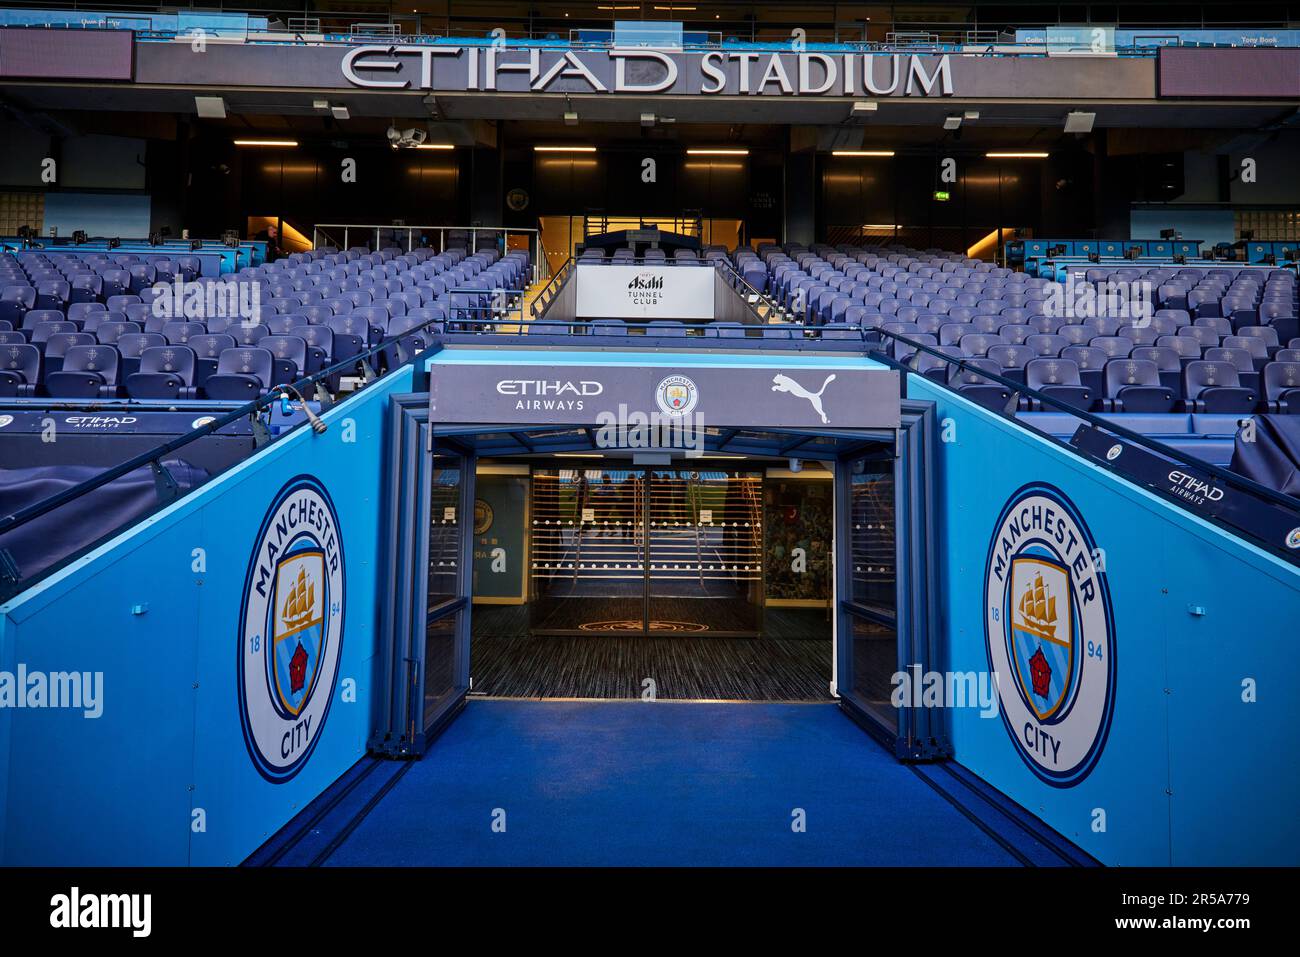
[(299, 603), (1038, 610)]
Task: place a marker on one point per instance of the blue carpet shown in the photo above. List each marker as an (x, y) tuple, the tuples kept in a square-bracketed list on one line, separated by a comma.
[(632, 783)]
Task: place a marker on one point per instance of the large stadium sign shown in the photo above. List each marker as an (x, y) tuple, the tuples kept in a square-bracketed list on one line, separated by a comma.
[(716, 73)]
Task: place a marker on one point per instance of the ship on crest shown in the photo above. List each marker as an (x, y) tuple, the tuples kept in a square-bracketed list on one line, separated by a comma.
[(1038, 610), (299, 603)]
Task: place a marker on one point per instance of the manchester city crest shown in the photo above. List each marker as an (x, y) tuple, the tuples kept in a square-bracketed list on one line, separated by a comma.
[(291, 629), (1050, 635), (676, 395)]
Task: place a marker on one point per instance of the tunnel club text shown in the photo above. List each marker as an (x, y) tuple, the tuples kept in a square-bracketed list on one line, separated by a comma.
[(490, 69)]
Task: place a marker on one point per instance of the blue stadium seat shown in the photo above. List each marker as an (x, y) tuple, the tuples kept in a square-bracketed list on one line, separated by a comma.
[(165, 372), (1214, 387), (131, 346), (1134, 385), (20, 369), (1059, 378), (89, 372), (1281, 384), (290, 354), (243, 374)]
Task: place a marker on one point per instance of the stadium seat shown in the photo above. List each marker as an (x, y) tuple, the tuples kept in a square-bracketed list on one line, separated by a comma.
[(243, 374), (89, 372), (20, 369), (1281, 384), (1058, 378), (1214, 387), (1134, 385), (165, 372)]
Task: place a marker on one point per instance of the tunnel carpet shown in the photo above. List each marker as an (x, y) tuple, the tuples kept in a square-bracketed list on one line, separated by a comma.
[(602, 666), (792, 662), (631, 783)]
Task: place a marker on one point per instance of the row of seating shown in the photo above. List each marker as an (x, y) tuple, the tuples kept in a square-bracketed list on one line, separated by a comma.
[(88, 350)]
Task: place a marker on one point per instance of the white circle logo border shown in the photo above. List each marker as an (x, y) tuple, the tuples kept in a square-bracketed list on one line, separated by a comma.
[(266, 725), (1075, 734)]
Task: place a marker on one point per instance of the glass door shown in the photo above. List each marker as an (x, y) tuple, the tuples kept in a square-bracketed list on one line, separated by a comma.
[(587, 565), (704, 536), (885, 590), (442, 674)]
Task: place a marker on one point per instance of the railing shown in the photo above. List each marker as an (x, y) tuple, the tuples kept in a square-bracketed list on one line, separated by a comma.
[(300, 390), (344, 235), (1018, 389), (759, 305), (552, 288)]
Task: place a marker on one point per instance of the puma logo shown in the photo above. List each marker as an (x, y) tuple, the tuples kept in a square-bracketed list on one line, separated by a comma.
[(783, 383)]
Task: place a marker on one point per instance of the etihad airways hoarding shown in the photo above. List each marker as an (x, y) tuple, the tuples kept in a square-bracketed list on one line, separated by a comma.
[(645, 292)]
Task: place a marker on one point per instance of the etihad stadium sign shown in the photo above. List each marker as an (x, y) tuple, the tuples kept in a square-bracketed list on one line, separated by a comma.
[(641, 71)]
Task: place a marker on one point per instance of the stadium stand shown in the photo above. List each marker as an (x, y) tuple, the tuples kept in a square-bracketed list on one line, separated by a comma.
[(328, 354)]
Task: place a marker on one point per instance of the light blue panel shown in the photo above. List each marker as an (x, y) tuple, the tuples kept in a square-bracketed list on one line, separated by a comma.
[(243, 809), (113, 789), (120, 215), (120, 789), (555, 357), (1232, 800), (1233, 771)]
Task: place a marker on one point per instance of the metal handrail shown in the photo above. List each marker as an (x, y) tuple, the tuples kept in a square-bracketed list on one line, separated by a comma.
[(150, 456), (548, 292), (1137, 438)]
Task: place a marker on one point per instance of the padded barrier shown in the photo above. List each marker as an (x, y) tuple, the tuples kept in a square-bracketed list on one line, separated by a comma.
[(1273, 458), (47, 540)]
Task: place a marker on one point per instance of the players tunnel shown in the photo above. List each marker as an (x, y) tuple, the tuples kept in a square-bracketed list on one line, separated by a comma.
[(689, 525)]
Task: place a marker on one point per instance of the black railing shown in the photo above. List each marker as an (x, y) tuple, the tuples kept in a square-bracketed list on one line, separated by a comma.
[(301, 390), (1018, 389)]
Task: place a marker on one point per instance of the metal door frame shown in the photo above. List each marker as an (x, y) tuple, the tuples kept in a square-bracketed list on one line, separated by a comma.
[(922, 733), (401, 729)]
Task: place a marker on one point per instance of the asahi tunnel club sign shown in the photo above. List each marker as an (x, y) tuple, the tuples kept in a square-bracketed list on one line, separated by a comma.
[(490, 69)]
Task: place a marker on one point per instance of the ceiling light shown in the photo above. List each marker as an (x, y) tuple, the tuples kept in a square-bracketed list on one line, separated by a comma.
[(711, 152), (1007, 156), (564, 149), (435, 146), (863, 107), (971, 115), (340, 112), (570, 118), (952, 123), (266, 142), (862, 152)]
